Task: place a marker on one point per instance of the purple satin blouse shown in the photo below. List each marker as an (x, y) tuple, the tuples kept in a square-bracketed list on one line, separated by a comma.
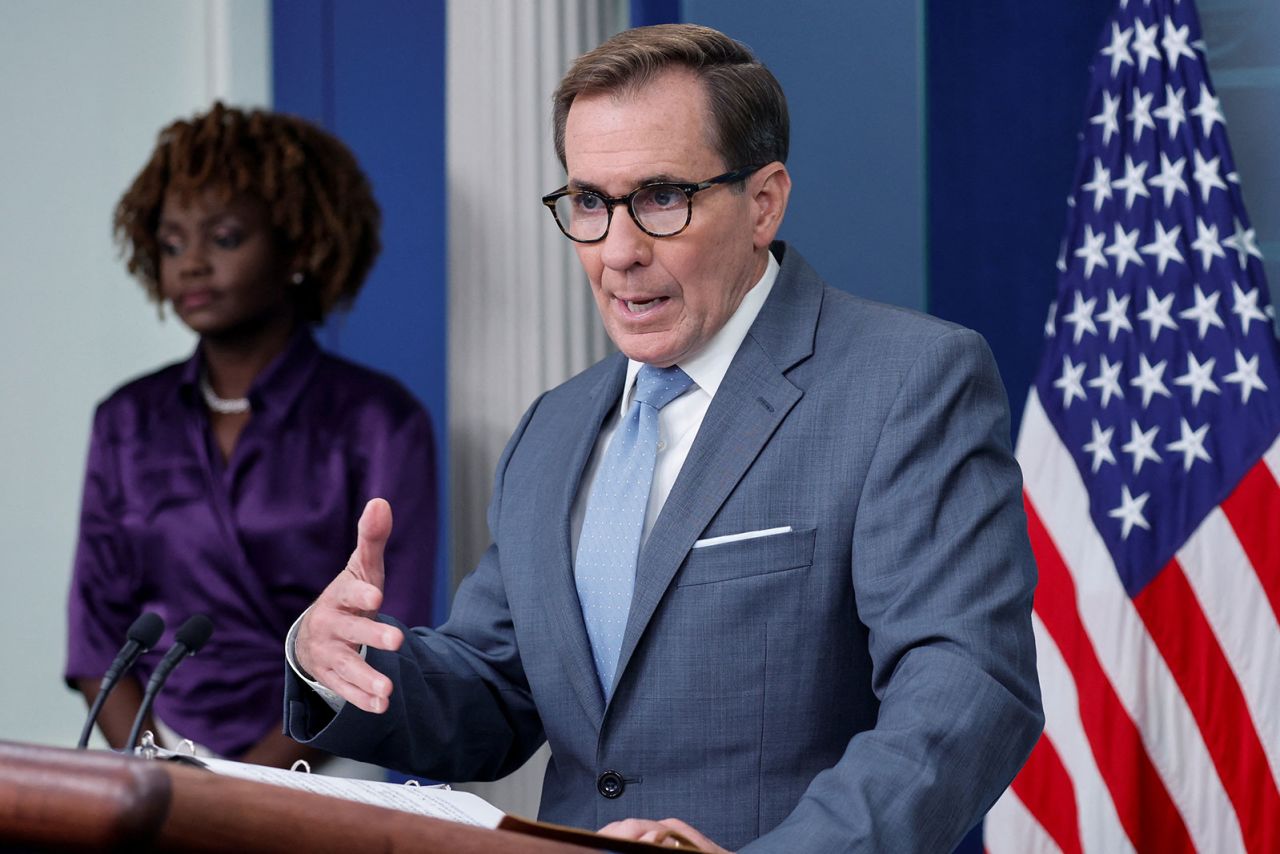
[(167, 526)]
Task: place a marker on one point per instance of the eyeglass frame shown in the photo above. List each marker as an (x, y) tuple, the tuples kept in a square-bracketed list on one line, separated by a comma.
[(688, 188)]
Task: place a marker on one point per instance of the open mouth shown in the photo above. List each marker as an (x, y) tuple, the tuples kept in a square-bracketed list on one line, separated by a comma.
[(642, 306)]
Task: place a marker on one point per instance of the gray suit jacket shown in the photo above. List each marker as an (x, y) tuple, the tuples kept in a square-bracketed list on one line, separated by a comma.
[(864, 682)]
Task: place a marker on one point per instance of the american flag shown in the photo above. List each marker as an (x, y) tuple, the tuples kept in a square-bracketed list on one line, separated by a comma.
[(1150, 456)]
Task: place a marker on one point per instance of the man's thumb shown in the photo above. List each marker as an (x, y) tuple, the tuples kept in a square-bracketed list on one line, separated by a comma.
[(372, 533)]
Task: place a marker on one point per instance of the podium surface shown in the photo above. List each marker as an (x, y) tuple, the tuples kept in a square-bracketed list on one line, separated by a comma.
[(53, 799)]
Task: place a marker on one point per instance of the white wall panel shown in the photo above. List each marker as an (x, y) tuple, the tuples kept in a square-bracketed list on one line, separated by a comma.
[(521, 318), (85, 87)]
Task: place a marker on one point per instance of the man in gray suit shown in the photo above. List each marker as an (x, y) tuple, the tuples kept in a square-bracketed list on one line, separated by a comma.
[(766, 570)]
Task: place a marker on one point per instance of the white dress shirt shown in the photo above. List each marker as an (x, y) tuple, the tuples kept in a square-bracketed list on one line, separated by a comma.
[(678, 424), (679, 420)]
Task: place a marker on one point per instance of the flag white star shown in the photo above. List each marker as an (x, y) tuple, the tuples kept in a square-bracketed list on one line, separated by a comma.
[(1173, 112), (1157, 313), (1141, 446), (1069, 382), (1206, 175), (1175, 43), (1150, 379), (1191, 445), (1061, 263), (1245, 306), (1118, 50), (1130, 512), (1140, 115), (1245, 243), (1133, 182), (1246, 376), (1108, 379), (1100, 186), (1206, 243), (1124, 249), (1144, 44), (1091, 251), (1049, 330), (1208, 111), (1081, 316), (1164, 247), (1170, 178), (1100, 446), (1199, 378), (1108, 118), (1117, 313), (1204, 312)]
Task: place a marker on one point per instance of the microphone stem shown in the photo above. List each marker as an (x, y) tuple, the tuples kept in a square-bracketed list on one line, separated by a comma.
[(94, 711), (145, 709)]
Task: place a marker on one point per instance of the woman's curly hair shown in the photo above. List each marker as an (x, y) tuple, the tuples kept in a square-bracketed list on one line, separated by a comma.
[(319, 201)]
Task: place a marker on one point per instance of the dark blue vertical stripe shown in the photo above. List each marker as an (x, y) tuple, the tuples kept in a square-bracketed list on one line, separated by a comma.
[(647, 12), (1005, 103), (374, 75)]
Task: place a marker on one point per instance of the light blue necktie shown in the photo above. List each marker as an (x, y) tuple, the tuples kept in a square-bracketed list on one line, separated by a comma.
[(605, 569)]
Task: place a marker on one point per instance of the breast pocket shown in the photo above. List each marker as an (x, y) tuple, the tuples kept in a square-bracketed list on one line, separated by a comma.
[(748, 558)]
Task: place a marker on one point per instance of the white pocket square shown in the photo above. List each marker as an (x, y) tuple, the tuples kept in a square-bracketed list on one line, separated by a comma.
[(745, 535)]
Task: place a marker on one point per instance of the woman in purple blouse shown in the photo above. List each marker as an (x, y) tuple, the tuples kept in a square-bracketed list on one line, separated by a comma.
[(230, 484)]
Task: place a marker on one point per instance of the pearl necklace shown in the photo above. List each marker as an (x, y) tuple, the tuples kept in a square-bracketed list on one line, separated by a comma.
[(222, 405)]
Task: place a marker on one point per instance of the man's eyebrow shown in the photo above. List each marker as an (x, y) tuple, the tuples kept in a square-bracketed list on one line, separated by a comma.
[(659, 178)]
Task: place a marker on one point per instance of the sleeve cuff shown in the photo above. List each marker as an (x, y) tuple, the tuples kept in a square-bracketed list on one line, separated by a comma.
[(330, 697)]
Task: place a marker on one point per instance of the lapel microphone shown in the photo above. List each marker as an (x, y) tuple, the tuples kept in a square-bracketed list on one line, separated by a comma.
[(142, 635), (190, 636)]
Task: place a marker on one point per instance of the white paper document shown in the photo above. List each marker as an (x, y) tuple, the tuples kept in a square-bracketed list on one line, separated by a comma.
[(432, 801)]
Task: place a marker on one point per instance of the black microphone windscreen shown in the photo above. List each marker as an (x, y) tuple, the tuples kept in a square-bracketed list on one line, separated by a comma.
[(146, 630), (194, 632)]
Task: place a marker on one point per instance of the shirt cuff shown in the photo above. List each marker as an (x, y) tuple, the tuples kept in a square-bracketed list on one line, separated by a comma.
[(330, 697)]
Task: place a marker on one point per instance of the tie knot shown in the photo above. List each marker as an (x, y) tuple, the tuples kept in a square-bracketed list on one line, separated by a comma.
[(659, 386)]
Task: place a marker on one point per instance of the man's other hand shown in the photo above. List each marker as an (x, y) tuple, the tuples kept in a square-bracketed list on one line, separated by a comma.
[(670, 832), (342, 620)]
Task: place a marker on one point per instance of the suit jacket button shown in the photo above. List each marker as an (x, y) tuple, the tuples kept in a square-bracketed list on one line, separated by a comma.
[(610, 784)]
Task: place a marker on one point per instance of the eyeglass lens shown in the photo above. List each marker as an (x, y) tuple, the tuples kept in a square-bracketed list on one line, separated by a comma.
[(661, 210)]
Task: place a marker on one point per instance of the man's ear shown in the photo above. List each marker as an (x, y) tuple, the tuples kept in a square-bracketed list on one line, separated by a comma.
[(770, 188)]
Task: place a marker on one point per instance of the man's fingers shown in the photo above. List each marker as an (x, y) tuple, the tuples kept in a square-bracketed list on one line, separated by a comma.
[(361, 631), (354, 595), (359, 683), (671, 833), (371, 541)]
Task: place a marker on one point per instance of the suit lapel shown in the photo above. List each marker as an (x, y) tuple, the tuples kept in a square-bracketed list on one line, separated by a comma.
[(752, 401), (554, 550)]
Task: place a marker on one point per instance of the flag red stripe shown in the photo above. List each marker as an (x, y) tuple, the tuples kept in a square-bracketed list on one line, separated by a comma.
[(1252, 509), (1044, 787), (1175, 622), (1142, 802)]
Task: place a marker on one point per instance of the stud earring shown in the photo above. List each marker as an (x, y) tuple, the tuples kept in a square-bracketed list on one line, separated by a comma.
[(298, 277)]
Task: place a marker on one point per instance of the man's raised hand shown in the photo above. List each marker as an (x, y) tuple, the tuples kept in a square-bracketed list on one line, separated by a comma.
[(342, 620)]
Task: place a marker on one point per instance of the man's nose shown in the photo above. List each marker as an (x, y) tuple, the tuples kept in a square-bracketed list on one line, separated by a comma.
[(626, 245)]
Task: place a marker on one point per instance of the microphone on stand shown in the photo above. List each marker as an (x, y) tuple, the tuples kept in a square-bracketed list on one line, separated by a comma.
[(142, 635), (190, 636)]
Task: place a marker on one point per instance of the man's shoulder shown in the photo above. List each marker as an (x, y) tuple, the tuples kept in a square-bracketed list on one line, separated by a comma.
[(880, 321), (841, 316), (589, 380)]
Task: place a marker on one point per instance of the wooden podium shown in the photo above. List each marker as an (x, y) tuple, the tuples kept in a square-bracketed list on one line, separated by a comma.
[(53, 799)]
